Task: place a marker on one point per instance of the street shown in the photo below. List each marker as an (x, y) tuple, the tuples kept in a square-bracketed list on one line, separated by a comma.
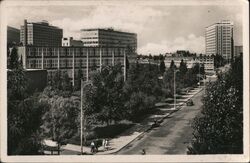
[(173, 135)]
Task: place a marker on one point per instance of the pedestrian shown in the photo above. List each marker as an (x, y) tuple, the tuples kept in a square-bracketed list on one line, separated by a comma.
[(106, 144), (92, 145), (96, 145), (103, 143), (143, 152)]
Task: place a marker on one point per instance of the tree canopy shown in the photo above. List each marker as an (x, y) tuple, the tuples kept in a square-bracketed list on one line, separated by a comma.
[(219, 130)]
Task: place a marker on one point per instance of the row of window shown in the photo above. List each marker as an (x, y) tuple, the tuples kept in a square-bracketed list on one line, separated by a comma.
[(68, 63), (76, 52)]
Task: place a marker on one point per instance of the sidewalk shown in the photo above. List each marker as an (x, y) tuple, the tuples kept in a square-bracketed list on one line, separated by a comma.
[(138, 129)]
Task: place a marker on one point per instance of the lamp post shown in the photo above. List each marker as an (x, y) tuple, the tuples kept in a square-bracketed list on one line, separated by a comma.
[(174, 90), (81, 117), (83, 84)]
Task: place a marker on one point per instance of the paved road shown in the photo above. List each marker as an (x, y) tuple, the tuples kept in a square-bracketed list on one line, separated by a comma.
[(172, 137)]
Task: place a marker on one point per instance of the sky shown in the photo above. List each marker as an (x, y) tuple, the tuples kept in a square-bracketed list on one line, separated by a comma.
[(159, 28)]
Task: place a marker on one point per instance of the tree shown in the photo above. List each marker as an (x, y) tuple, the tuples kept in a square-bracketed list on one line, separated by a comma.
[(24, 126), (183, 67), (161, 57), (14, 63), (150, 56), (60, 120), (66, 84), (56, 81), (108, 98), (219, 130), (79, 78), (172, 65), (162, 66), (141, 90)]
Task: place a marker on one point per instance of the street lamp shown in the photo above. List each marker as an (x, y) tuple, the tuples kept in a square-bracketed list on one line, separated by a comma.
[(83, 84), (175, 90)]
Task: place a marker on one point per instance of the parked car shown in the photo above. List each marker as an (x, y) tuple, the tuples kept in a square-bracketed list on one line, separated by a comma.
[(190, 102), (155, 124)]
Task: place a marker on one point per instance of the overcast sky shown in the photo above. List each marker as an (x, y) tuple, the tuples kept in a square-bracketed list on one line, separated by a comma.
[(159, 29)]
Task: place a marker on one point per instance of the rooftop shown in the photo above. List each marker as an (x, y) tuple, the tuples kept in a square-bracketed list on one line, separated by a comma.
[(106, 29)]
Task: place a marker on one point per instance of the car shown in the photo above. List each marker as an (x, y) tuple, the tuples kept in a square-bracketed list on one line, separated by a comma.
[(155, 124), (190, 102)]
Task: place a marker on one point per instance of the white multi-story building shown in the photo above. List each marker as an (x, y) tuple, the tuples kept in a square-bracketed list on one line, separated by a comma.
[(219, 39), (109, 37), (207, 61)]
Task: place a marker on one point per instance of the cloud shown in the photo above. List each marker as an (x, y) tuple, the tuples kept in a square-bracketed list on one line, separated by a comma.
[(162, 28), (191, 43), (126, 18)]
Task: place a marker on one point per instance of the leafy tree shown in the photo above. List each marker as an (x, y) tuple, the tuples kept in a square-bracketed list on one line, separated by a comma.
[(66, 84), (218, 60), (60, 120), (56, 81), (23, 112), (24, 120), (219, 130), (79, 78), (141, 90), (108, 97)]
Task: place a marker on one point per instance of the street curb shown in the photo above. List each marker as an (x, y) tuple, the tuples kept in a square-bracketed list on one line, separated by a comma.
[(149, 128)]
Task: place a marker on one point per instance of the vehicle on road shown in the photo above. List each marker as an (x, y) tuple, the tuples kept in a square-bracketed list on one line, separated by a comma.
[(155, 124), (190, 102)]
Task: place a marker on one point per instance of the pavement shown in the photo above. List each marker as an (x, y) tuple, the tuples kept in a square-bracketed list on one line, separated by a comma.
[(171, 137), (121, 142)]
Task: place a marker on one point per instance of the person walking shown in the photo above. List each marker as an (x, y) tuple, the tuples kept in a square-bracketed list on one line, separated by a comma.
[(106, 144), (103, 143), (143, 152), (92, 145), (96, 145)]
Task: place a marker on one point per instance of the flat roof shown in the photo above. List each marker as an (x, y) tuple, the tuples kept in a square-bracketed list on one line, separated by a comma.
[(107, 29)]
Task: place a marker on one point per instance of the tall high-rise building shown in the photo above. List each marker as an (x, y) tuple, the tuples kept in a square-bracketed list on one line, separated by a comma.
[(109, 38), (40, 34), (219, 39)]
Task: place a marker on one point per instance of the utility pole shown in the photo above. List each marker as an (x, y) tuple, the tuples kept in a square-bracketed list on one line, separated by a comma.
[(174, 92), (81, 116)]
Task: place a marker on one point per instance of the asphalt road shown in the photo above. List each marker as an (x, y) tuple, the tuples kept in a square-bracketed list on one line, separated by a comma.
[(172, 137)]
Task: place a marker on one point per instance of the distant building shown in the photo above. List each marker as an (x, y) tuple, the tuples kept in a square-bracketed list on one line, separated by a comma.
[(219, 39), (238, 50), (69, 41), (40, 34), (208, 62), (109, 37), (148, 61), (13, 35), (70, 59)]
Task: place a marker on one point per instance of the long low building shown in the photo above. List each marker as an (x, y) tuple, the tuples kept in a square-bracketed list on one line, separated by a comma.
[(71, 59), (208, 62)]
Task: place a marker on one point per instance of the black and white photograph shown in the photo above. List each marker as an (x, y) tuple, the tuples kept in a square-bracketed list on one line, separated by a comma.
[(122, 81)]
